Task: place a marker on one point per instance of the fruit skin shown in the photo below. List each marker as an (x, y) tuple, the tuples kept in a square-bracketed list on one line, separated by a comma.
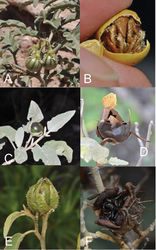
[(125, 58), (42, 197), (33, 63), (36, 129), (93, 46), (50, 60)]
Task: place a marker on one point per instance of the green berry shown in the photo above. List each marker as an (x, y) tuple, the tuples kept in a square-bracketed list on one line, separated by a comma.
[(36, 129)]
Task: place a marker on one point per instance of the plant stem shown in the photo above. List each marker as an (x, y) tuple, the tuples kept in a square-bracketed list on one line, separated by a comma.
[(28, 147), (50, 37), (97, 178), (44, 229), (14, 56)]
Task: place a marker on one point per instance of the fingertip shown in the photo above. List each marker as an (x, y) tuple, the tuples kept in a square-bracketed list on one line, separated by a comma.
[(101, 73), (129, 76)]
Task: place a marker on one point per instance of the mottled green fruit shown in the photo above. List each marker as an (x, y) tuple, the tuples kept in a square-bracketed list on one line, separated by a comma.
[(33, 63), (42, 197), (36, 129), (50, 62)]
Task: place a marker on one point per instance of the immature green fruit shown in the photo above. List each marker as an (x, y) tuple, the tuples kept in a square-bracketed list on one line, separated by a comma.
[(36, 129), (42, 197), (50, 60), (33, 63)]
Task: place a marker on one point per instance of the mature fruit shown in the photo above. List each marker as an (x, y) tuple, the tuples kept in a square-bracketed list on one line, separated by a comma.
[(123, 39)]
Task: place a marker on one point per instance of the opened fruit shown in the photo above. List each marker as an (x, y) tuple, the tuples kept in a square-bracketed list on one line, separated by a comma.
[(123, 39)]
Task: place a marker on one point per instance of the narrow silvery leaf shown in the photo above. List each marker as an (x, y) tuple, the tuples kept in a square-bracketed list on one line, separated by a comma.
[(15, 241), (59, 121), (20, 155), (9, 221), (19, 137), (46, 154), (117, 162), (7, 131), (34, 112), (2, 145), (61, 148)]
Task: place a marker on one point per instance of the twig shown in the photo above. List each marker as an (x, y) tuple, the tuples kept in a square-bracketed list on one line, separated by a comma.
[(29, 147), (98, 234), (28, 141), (149, 133), (137, 242), (83, 225), (97, 178), (81, 116), (142, 181), (6, 163)]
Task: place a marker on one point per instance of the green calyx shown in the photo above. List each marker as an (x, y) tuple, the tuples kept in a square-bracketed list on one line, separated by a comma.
[(42, 197)]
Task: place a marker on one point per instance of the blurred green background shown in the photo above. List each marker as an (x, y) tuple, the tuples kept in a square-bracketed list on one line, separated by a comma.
[(126, 174), (63, 226), (140, 101)]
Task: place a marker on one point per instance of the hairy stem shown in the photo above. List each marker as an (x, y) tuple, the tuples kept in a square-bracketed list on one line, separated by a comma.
[(44, 229)]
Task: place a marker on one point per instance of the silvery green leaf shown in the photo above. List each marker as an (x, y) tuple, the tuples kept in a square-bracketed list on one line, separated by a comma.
[(19, 137), (2, 145), (92, 150), (114, 161), (61, 148), (8, 131), (3, 9), (9, 221), (46, 154), (15, 241), (20, 155), (59, 121), (11, 22), (24, 4), (35, 3), (26, 127), (34, 112), (73, 38), (3, 2)]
